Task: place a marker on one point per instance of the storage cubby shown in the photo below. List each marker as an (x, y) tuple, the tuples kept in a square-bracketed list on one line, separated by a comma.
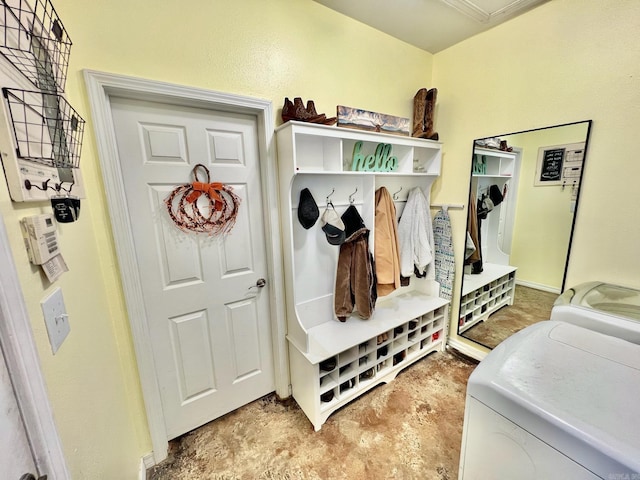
[(485, 293), (493, 163), (317, 148), (332, 363)]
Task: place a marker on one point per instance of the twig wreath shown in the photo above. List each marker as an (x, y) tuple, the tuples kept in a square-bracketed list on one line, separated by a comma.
[(217, 215)]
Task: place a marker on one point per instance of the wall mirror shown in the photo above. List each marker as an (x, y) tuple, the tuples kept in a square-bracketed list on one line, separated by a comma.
[(524, 191)]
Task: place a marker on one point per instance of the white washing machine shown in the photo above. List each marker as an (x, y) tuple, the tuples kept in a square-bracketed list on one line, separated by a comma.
[(554, 401), (603, 307)]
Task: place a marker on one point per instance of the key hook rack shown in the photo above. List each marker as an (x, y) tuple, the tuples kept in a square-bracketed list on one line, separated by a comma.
[(45, 186)]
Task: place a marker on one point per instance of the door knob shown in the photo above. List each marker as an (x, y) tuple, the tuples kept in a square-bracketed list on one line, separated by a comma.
[(261, 283)]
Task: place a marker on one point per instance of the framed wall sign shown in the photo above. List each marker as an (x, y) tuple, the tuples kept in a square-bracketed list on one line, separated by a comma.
[(559, 164)]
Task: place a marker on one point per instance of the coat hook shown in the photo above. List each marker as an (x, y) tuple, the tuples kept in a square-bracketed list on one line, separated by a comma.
[(329, 202), (351, 199), (395, 195)]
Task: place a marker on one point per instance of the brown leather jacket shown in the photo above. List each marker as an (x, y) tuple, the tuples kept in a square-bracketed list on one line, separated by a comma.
[(356, 275)]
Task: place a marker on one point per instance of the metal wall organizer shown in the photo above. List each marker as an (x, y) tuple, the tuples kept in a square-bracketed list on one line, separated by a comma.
[(35, 42), (47, 132), (46, 129)]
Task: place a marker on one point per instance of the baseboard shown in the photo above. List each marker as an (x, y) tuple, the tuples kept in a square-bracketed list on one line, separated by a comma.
[(474, 351), (146, 463), (538, 286)]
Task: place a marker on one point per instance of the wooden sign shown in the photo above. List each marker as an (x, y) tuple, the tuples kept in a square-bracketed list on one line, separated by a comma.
[(380, 161)]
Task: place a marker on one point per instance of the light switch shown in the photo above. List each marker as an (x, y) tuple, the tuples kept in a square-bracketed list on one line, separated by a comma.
[(56, 319)]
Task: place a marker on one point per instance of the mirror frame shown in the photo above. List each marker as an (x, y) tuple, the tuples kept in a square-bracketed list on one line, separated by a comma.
[(589, 124)]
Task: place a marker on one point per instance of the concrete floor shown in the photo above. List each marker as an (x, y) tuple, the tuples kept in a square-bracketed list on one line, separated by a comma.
[(410, 428)]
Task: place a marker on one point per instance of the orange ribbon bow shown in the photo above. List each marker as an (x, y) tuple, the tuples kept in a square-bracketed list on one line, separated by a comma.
[(210, 189)]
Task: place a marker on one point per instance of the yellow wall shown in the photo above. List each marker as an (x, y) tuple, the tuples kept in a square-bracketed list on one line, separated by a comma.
[(565, 61), (544, 214), (263, 49)]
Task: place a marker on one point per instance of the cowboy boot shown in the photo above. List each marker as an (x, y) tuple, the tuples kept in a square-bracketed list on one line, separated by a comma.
[(429, 113), (302, 114), (287, 110), (418, 112), (311, 110)]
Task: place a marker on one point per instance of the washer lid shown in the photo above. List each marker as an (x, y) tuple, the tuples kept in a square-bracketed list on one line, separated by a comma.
[(612, 299), (575, 389)]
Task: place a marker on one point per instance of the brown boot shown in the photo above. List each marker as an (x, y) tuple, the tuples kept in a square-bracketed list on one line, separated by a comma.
[(418, 112), (287, 110), (302, 114), (311, 110), (429, 113), (424, 104)]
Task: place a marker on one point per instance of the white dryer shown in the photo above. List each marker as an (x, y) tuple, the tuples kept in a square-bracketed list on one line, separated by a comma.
[(603, 307), (554, 401)]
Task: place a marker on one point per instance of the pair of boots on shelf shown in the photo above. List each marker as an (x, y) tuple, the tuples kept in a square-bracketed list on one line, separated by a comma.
[(296, 111), (424, 104)]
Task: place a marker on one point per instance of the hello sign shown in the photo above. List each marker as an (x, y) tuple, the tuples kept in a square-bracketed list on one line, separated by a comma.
[(381, 161)]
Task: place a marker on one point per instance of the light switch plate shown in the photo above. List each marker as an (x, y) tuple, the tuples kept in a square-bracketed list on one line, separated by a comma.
[(56, 319)]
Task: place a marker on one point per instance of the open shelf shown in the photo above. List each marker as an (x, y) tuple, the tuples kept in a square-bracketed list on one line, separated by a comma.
[(322, 149), (489, 162)]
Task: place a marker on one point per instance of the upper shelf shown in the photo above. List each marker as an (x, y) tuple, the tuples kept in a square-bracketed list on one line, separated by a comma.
[(488, 162), (492, 152), (314, 148)]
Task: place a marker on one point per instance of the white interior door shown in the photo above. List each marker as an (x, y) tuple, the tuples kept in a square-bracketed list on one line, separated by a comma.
[(16, 458), (209, 325)]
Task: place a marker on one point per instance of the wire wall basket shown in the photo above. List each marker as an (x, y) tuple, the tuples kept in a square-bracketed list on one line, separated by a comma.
[(35, 42), (47, 130)]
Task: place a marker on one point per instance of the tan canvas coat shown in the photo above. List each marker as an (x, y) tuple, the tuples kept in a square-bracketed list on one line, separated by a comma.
[(387, 252)]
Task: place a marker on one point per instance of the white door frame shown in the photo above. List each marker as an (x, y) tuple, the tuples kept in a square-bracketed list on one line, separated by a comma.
[(23, 363), (101, 86)]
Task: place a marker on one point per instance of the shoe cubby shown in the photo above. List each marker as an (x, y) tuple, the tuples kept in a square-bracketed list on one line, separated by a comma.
[(322, 387), (349, 373), (485, 293)]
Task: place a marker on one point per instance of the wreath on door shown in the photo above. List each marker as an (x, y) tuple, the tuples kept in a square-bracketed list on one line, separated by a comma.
[(203, 206)]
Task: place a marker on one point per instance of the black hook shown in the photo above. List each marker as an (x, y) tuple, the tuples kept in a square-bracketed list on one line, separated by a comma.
[(60, 187), (45, 185)]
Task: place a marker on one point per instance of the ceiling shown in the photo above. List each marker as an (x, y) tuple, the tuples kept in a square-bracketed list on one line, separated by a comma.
[(432, 25)]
